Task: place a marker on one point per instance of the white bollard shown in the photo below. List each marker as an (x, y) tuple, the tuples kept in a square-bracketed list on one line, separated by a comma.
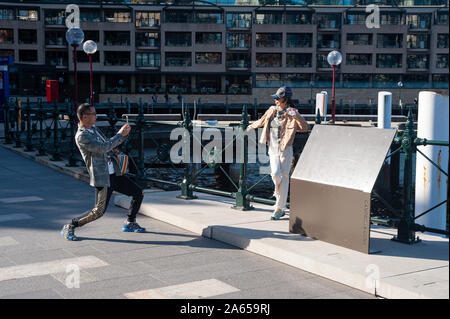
[(431, 184), (384, 109), (321, 104)]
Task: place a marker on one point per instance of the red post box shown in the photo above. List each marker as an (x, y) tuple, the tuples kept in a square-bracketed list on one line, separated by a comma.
[(52, 90)]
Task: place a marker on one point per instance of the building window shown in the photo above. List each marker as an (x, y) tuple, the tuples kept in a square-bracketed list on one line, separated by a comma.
[(117, 58), (357, 80), (178, 84), (147, 39), (55, 38), (148, 19), (358, 59), (269, 18), (90, 15), (238, 60), (299, 40), (393, 40), (418, 41), (84, 58), (386, 81), (440, 81), (299, 18), (442, 61), (7, 14), (27, 36), (117, 16), (6, 52), (390, 18), (56, 58), (359, 39), (325, 80), (238, 84), (28, 56), (268, 60), (117, 38), (178, 39), (322, 62), (54, 17), (28, 15), (297, 80), (208, 17), (208, 58), (268, 40), (416, 81), (355, 18), (208, 37), (208, 84), (6, 36), (442, 40), (148, 83), (442, 18), (239, 20), (179, 16), (417, 61), (92, 35), (328, 41), (112, 83), (418, 21), (298, 60), (389, 61), (178, 59), (329, 21), (238, 40), (268, 80), (146, 59)]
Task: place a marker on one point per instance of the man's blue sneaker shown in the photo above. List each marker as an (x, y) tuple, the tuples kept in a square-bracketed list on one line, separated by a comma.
[(68, 232), (278, 214), (132, 227)]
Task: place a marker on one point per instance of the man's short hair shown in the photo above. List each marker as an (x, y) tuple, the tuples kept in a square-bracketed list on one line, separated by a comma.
[(83, 109)]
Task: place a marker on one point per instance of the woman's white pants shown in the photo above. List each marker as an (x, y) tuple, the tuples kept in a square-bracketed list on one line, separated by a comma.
[(280, 167)]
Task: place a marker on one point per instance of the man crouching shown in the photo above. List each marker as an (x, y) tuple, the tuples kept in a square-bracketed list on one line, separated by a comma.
[(104, 172)]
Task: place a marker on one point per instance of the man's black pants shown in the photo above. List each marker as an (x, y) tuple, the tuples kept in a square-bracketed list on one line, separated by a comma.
[(121, 184)]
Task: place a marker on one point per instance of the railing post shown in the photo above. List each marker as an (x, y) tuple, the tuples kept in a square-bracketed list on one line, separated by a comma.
[(41, 116), (18, 114), (56, 156), (72, 121), (186, 190), (28, 144), (242, 203), (140, 123), (406, 227), (6, 128)]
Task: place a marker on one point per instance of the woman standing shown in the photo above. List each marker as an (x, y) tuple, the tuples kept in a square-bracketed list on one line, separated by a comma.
[(280, 122)]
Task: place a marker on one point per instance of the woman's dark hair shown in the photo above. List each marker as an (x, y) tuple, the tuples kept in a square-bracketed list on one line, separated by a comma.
[(83, 109), (290, 103)]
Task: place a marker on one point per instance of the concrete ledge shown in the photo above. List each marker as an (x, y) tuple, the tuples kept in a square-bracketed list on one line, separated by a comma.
[(395, 271)]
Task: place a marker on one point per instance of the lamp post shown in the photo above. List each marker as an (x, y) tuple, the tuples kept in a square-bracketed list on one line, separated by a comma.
[(90, 47), (75, 37), (311, 85), (400, 85), (61, 82), (121, 85), (334, 58)]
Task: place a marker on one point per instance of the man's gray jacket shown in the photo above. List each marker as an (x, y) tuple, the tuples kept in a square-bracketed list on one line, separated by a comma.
[(94, 148)]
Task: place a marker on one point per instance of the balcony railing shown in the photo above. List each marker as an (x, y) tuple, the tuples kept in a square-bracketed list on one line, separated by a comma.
[(242, 64), (178, 62)]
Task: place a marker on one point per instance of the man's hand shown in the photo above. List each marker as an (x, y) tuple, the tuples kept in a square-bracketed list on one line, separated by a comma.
[(125, 129)]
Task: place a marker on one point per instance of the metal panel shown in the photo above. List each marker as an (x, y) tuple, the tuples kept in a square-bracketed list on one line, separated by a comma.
[(344, 156), (332, 182)]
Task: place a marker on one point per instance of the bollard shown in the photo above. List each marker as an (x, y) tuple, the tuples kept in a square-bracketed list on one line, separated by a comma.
[(186, 185), (242, 202), (28, 144), (56, 156), (318, 119), (72, 162), (431, 183), (321, 104)]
